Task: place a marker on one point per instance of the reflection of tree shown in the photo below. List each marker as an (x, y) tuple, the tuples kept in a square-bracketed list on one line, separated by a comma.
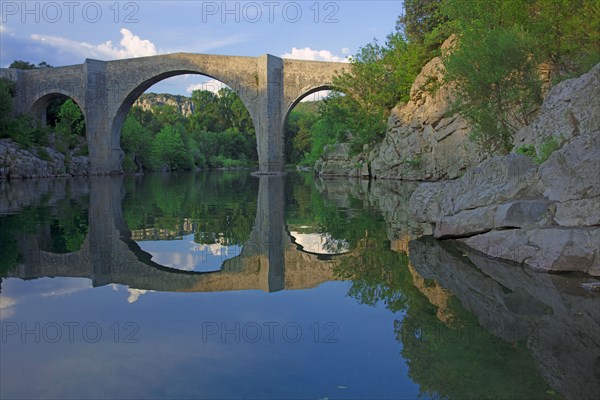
[(63, 225), (448, 353), (216, 208)]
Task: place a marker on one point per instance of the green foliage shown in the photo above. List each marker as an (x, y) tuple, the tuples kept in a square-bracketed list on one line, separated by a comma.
[(497, 87), (43, 154), (527, 150), (380, 77), (219, 134), (420, 23), (501, 45), (170, 151), (70, 125), (19, 64), (136, 142), (545, 150), (6, 103)]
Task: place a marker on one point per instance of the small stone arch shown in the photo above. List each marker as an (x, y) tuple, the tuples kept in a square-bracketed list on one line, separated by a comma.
[(39, 106)]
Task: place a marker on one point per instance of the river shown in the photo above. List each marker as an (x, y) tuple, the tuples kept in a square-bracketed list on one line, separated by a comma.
[(222, 285)]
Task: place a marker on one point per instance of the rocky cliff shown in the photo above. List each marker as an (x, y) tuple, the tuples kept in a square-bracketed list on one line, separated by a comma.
[(544, 216), (38, 162), (424, 141), (183, 104)]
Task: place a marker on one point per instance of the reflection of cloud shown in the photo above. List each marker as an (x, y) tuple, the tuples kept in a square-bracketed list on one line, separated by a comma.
[(188, 255), (130, 46), (320, 243), (134, 294), (6, 307), (43, 287)]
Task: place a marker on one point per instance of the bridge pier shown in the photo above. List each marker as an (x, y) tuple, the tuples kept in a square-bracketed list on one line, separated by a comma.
[(269, 119)]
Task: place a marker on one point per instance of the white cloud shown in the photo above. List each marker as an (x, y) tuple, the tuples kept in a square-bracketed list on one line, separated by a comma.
[(314, 55), (212, 85), (346, 50), (130, 46)]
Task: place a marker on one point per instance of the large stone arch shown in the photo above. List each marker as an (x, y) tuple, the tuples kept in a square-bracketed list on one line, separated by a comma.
[(128, 79)]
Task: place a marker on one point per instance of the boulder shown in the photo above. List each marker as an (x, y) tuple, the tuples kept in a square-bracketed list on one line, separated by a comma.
[(542, 216)]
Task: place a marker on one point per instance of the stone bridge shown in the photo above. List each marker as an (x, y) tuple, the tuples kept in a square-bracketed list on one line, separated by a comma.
[(269, 261), (269, 87)]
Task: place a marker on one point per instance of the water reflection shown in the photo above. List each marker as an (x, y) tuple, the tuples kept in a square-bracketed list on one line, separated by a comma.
[(266, 260), (464, 326)]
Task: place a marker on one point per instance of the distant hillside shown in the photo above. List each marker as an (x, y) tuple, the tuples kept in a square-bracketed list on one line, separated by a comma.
[(148, 100)]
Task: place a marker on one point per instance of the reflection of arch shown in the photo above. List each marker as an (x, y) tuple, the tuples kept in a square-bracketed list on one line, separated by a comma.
[(40, 104), (269, 261)]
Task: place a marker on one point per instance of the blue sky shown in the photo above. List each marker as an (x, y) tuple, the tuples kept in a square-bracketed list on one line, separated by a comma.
[(64, 33)]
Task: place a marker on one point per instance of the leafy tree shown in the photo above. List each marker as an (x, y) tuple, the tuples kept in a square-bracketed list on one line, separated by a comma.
[(71, 124), (206, 111), (19, 64), (169, 149), (6, 104), (497, 87), (136, 142)]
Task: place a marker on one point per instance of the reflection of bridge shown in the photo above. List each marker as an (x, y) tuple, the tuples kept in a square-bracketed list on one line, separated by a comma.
[(268, 86), (269, 260)]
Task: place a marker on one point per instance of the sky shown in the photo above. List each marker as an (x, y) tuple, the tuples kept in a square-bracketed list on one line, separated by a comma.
[(68, 32)]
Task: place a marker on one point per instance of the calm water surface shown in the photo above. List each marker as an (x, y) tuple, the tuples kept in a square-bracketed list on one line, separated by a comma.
[(227, 286)]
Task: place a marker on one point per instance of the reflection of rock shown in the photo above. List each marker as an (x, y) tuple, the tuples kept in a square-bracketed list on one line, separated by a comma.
[(436, 295), (558, 320), (390, 198)]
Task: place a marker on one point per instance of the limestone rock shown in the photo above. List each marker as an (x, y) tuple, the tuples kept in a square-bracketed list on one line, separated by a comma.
[(569, 108), (40, 162), (573, 172), (337, 161), (422, 141), (542, 216)]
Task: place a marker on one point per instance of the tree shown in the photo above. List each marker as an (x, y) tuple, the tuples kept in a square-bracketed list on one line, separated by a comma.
[(206, 111), (497, 87), (70, 124), (6, 104), (420, 21), (136, 142), (169, 149), (21, 65)]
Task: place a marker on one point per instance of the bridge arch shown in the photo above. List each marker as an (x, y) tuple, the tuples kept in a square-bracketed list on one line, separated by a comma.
[(131, 78), (40, 103), (307, 92)]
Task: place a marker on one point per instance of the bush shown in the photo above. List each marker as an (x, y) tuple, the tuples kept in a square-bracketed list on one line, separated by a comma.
[(546, 148)]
